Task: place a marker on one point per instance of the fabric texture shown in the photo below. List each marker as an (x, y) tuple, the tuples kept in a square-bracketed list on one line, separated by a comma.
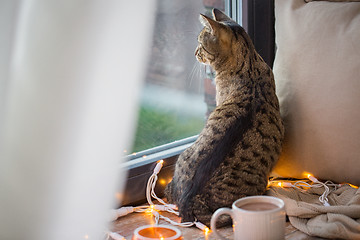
[(340, 220), (317, 74), (332, 0)]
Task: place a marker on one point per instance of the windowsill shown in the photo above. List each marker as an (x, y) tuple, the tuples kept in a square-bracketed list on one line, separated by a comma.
[(125, 226), (140, 166), (161, 152)]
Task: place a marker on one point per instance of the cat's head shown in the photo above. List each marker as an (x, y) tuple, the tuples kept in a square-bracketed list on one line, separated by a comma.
[(221, 40)]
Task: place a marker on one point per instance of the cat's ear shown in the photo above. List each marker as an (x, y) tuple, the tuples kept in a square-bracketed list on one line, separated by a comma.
[(220, 16), (209, 23)]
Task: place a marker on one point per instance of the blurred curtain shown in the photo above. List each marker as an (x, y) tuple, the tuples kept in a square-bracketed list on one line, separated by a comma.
[(70, 73)]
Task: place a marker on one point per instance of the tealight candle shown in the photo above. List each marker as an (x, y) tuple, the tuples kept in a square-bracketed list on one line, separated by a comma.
[(161, 232)]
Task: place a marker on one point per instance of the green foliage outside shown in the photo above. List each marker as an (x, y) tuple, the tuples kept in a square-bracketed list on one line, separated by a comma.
[(157, 127)]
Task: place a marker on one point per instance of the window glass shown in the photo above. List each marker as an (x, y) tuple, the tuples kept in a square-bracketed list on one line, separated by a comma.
[(178, 92)]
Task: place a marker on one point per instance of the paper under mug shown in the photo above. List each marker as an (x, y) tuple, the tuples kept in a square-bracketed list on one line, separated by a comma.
[(254, 218)]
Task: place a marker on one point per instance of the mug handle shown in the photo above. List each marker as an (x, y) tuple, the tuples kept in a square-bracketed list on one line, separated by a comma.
[(215, 216)]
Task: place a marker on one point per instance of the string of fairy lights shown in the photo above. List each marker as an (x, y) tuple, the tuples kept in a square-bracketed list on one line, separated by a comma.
[(309, 182), (155, 209)]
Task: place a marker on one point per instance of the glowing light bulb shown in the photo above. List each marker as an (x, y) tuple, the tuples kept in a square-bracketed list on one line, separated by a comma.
[(86, 236), (312, 178), (200, 226), (206, 233), (150, 209), (353, 186), (279, 184), (307, 174), (162, 181)]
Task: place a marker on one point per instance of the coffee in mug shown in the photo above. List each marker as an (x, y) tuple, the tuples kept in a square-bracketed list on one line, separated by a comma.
[(258, 206), (255, 218)]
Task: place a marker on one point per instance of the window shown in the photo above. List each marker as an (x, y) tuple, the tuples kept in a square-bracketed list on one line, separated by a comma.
[(172, 105), (178, 92)]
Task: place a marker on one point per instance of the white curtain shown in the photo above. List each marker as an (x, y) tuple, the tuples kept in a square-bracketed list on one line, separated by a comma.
[(70, 73)]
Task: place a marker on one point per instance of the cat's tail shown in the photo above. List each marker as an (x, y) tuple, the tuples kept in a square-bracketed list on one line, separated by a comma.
[(222, 145)]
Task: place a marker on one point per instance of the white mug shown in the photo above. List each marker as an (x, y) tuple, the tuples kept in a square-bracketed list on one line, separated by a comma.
[(254, 218)]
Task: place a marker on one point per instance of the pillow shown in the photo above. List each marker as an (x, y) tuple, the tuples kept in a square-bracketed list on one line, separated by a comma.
[(317, 74), (334, 0)]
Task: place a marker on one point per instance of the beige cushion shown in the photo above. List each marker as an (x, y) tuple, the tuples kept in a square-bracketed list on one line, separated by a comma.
[(317, 73), (334, 0)]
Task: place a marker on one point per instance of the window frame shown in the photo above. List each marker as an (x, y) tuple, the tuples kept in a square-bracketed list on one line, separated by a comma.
[(257, 17), (140, 166)]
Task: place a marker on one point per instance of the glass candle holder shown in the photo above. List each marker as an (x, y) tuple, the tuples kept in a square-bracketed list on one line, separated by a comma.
[(161, 232)]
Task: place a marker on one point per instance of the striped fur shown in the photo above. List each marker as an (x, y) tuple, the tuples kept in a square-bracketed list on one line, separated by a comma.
[(242, 138)]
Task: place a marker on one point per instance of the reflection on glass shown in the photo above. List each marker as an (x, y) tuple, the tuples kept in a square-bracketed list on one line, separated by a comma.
[(178, 92)]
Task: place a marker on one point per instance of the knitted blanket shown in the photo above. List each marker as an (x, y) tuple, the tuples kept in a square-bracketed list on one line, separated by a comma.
[(340, 220)]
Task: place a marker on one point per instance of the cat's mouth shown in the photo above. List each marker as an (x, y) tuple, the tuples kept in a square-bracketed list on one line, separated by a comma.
[(200, 56)]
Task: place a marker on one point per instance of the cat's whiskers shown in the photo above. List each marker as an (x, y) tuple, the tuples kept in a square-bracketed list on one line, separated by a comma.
[(198, 74), (195, 73), (202, 73), (191, 74)]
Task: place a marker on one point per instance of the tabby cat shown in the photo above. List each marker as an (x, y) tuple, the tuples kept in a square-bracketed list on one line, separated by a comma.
[(241, 141)]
